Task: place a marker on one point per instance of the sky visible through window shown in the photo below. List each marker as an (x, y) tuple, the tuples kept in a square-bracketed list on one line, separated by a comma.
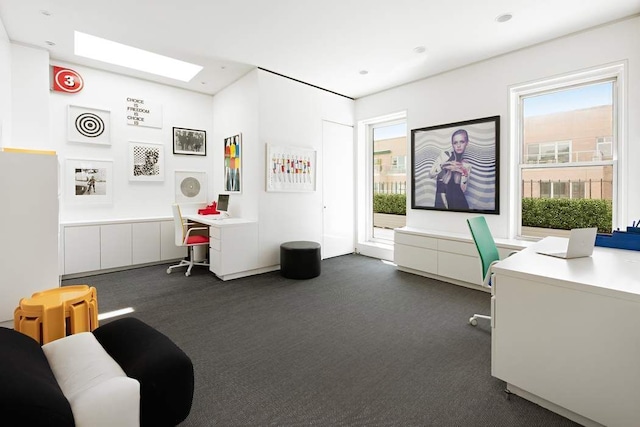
[(569, 99), (388, 132)]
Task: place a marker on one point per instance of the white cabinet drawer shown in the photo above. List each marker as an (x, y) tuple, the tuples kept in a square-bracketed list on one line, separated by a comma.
[(145, 242), (81, 249), (214, 244), (115, 245), (460, 267), (416, 258), (414, 240), (215, 232), (455, 247)]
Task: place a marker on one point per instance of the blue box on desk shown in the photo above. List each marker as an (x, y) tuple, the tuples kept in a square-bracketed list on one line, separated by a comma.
[(620, 240)]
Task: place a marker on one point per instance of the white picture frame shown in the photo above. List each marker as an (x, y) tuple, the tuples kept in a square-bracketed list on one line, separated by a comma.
[(190, 187), (88, 181), (290, 169), (233, 151), (146, 161), (88, 125)]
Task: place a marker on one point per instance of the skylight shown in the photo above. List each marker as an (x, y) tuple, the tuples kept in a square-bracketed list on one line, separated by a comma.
[(126, 56)]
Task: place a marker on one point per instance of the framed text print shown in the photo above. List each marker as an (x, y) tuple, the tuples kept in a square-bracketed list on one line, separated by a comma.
[(454, 166)]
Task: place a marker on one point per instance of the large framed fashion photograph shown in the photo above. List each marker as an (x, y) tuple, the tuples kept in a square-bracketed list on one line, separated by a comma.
[(455, 166)]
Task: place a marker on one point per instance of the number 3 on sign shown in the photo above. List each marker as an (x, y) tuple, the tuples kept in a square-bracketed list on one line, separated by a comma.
[(66, 80)]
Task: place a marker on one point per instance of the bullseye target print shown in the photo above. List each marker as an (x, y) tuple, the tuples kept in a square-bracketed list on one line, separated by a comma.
[(89, 125)]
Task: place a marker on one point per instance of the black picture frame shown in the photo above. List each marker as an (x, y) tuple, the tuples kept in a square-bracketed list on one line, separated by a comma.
[(192, 142), (462, 180)]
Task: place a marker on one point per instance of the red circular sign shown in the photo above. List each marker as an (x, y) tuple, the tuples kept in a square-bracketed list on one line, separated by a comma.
[(67, 80)]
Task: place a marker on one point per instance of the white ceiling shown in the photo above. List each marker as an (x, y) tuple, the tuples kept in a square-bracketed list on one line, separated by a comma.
[(322, 42)]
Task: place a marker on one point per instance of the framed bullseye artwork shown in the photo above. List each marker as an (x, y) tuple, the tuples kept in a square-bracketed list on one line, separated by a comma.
[(89, 125)]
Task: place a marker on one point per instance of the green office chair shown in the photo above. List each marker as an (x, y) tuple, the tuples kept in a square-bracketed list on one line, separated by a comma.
[(488, 255)]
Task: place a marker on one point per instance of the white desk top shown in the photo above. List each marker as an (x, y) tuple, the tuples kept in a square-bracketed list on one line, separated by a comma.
[(216, 220), (611, 272)]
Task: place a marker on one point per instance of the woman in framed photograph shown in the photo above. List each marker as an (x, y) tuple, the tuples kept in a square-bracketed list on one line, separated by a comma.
[(451, 172)]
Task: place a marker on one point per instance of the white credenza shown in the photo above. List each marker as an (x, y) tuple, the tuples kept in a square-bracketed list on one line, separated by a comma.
[(448, 257), (28, 226), (565, 332), (104, 245)]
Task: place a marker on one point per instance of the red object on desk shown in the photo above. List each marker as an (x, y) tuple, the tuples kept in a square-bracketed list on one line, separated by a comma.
[(209, 210)]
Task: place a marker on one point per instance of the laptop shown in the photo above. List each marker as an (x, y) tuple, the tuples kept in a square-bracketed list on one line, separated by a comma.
[(581, 243)]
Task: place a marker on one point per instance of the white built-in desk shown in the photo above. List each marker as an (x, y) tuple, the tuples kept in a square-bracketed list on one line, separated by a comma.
[(566, 335), (233, 246)]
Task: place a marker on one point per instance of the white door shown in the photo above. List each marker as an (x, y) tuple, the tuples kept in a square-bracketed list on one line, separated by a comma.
[(338, 189)]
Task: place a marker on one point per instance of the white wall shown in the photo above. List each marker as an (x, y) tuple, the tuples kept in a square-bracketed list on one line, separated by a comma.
[(109, 91), (482, 90), (5, 86), (235, 111), (30, 98), (291, 114), (269, 109)]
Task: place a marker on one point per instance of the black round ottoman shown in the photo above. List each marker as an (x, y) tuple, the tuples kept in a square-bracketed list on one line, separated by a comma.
[(300, 260)]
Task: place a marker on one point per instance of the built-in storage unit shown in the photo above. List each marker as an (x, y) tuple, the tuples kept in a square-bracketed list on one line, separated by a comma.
[(449, 257), (28, 226), (564, 332), (90, 247), (233, 250)]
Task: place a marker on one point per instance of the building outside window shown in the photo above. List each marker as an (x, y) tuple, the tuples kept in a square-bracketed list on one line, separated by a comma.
[(567, 135)]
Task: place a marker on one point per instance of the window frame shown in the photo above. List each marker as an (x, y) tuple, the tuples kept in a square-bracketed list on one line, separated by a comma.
[(616, 73)]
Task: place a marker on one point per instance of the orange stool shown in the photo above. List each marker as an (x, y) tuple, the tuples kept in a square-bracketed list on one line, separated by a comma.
[(54, 313)]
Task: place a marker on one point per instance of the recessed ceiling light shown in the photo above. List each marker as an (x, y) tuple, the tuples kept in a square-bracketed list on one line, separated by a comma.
[(363, 72), (50, 43), (45, 12), (127, 56), (420, 49), (504, 17)]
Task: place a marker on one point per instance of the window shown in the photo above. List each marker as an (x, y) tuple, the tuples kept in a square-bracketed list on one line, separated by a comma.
[(604, 148), (390, 177), (377, 166), (567, 131), (548, 152), (399, 164)]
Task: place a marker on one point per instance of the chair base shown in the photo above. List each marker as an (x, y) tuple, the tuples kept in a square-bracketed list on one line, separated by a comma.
[(473, 320), (188, 263)]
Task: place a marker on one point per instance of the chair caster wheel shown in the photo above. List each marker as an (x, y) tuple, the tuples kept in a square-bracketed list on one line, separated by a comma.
[(168, 271), (473, 321), (188, 273)]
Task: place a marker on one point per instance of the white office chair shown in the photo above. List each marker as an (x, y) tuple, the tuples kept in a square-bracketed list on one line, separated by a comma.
[(187, 236)]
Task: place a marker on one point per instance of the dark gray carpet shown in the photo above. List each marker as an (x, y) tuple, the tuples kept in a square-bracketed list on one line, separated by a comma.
[(361, 345)]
